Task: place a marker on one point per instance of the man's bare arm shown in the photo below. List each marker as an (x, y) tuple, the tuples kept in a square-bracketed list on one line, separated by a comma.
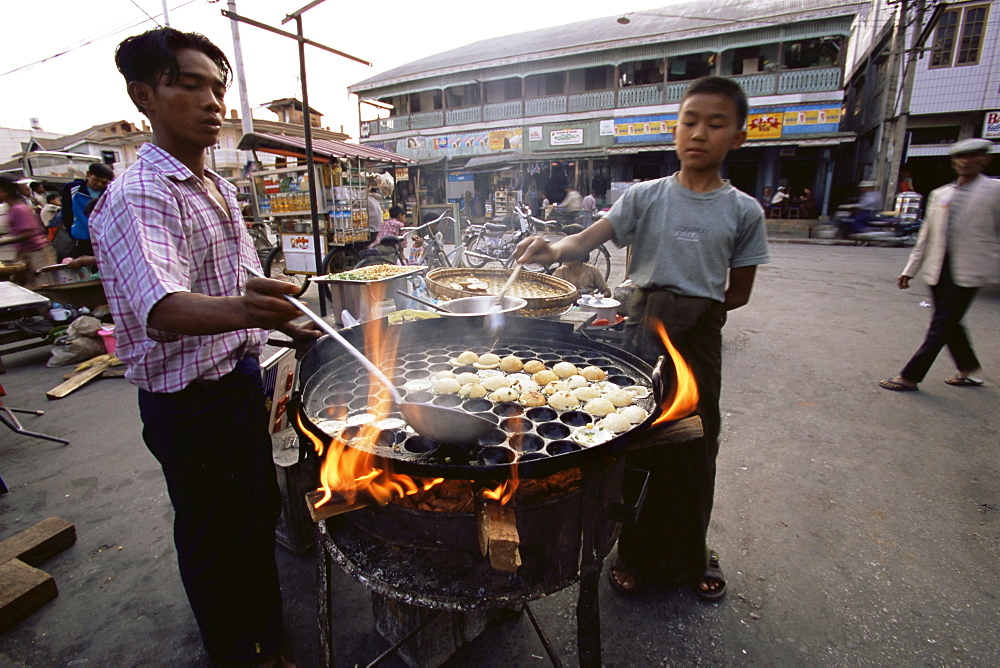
[(740, 286)]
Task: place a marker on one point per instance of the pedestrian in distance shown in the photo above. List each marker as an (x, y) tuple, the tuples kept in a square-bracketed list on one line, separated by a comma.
[(696, 242), (588, 208), (190, 327), (75, 196), (26, 233), (957, 252)]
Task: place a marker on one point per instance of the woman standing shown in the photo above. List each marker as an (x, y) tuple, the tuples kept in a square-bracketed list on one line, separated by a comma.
[(27, 233)]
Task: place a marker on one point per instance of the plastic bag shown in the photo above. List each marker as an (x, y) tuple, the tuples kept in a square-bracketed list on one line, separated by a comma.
[(85, 325), (72, 350)]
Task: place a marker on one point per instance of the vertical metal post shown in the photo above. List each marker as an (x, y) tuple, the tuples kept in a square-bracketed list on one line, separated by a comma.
[(899, 131), (241, 77), (166, 15), (310, 164)]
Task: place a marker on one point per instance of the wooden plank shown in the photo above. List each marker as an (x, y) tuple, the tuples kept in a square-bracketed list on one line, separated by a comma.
[(498, 535), (78, 380), (23, 590), (36, 544)]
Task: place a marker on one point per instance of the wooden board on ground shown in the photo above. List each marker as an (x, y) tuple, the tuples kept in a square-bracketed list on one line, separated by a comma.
[(36, 544), (78, 380), (23, 590)]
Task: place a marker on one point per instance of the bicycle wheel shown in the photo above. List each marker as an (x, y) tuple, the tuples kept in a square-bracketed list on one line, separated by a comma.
[(340, 259), (477, 244), (600, 259), (274, 267)]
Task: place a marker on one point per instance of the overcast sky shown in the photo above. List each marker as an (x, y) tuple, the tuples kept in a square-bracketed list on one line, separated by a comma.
[(82, 88)]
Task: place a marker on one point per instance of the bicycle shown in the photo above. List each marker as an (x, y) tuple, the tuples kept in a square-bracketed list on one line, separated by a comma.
[(492, 242)]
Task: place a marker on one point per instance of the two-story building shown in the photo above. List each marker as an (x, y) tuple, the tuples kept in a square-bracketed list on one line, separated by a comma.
[(955, 94), (593, 103)]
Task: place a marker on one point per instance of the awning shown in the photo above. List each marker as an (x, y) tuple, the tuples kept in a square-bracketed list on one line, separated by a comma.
[(323, 149), (562, 156), (491, 162), (787, 141)]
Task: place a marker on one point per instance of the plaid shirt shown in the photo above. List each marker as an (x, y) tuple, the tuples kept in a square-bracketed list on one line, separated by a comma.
[(158, 231)]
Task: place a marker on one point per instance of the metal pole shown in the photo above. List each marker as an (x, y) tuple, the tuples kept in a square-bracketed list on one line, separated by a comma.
[(241, 77), (166, 15), (314, 183), (899, 138)]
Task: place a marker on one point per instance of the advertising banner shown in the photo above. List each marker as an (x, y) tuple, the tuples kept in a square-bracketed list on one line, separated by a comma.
[(501, 140), (566, 137), (657, 128), (535, 133), (991, 125), (764, 126)]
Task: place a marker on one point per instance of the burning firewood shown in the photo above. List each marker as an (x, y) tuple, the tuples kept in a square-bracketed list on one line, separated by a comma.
[(498, 537)]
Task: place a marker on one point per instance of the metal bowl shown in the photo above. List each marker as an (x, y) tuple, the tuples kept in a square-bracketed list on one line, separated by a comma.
[(468, 307)]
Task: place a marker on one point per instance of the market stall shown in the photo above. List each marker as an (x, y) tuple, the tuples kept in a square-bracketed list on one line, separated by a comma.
[(281, 196)]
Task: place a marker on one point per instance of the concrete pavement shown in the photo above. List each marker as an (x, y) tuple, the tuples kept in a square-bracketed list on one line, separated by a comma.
[(856, 526)]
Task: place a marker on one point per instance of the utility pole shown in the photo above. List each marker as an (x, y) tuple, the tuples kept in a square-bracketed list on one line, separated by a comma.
[(900, 125), (166, 15), (241, 77), (306, 120)]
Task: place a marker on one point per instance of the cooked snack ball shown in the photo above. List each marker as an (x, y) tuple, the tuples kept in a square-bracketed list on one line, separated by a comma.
[(472, 391), (331, 427), (488, 361), (532, 399), (592, 435), (467, 377), (487, 373), (557, 386), (468, 357), (634, 414), (593, 373), (563, 401), (443, 374), (619, 397), (418, 385), (524, 384), (599, 407), (565, 369), (533, 366), (545, 377), (586, 393), (518, 378), (637, 391), (494, 383), (446, 386), (511, 364), (503, 394), (615, 422), (575, 381)]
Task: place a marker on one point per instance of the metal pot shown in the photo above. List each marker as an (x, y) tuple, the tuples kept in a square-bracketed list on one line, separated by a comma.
[(467, 307)]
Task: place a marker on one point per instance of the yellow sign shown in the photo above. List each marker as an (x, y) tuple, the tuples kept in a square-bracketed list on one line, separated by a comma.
[(764, 126), (643, 128)]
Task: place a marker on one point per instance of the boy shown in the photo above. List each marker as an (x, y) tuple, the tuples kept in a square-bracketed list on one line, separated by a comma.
[(690, 233), (170, 245)]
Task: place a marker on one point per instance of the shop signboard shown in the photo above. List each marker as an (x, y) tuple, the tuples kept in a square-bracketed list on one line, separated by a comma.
[(991, 125), (535, 133), (566, 137), (607, 128), (501, 140), (402, 174), (460, 177), (764, 126), (657, 128)]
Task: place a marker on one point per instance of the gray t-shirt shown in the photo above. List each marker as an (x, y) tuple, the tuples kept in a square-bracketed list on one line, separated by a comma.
[(686, 242)]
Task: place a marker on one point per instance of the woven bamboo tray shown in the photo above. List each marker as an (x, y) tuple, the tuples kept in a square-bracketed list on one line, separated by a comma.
[(546, 295)]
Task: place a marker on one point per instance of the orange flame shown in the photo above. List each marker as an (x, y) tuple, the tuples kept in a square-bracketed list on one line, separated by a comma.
[(350, 471), (504, 492), (684, 399)]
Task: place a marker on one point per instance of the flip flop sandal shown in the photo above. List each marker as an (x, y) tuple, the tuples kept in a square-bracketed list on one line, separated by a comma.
[(896, 386), (627, 572), (713, 572), (967, 381)]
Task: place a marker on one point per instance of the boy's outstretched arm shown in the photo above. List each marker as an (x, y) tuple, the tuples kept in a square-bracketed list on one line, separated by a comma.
[(740, 286)]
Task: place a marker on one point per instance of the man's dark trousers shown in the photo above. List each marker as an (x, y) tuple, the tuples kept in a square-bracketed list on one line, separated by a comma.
[(950, 304), (212, 442)]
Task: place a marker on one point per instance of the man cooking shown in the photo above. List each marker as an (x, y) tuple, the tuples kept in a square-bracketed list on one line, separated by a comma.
[(171, 245)]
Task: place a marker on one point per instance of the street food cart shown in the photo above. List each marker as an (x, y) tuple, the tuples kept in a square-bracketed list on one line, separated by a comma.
[(281, 196)]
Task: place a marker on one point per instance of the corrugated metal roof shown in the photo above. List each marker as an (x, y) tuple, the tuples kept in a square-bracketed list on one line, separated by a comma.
[(686, 21), (326, 148)]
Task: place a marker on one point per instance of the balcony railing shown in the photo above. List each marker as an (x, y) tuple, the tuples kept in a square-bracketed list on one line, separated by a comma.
[(463, 115), (640, 96), (500, 111), (592, 101), (762, 83)]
